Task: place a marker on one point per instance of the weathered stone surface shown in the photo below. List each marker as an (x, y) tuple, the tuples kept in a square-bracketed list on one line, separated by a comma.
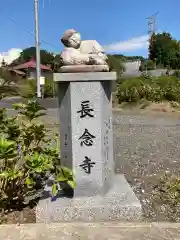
[(84, 77), (86, 134), (77, 52), (87, 231), (119, 203), (87, 148)]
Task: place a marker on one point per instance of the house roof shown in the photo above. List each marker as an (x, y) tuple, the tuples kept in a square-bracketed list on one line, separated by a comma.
[(31, 64), (17, 71)]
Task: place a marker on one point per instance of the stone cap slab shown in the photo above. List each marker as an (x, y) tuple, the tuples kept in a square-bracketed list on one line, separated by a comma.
[(84, 76), (84, 68)]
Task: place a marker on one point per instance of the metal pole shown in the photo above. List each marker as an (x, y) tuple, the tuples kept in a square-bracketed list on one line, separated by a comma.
[(38, 68)]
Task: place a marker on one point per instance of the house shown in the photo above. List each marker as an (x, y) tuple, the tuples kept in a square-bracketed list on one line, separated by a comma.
[(17, 72), (29, 68), (132, 70)]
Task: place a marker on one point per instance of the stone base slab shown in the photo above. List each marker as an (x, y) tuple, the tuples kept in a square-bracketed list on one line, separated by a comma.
[(84, 76), (120, 203), (87, 231)]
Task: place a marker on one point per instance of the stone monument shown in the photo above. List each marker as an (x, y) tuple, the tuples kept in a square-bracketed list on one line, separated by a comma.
[(82, 56), (86, 139)]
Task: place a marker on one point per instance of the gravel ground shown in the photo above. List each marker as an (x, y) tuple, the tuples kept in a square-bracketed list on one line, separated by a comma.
[(144, 149), (26, 216), (145, 146)]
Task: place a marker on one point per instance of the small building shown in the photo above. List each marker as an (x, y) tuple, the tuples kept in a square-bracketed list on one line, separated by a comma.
[(132, 69), (29, 68)]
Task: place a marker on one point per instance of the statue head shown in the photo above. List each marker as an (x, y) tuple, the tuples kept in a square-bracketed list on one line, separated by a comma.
[(71, 38)]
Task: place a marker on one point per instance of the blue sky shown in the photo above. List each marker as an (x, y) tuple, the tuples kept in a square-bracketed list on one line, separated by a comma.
[(120, 25)]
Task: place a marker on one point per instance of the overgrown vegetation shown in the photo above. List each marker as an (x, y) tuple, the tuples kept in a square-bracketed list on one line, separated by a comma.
[(8, 84), (166, 196), (164, 50), (154, 89), (27, 157), (28, 89)]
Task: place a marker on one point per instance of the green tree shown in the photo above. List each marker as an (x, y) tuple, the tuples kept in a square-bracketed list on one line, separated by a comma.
[(152, 47), (115, 64), (7, 83), (57, 63), (29, 53), (147, 65), (164, 50)]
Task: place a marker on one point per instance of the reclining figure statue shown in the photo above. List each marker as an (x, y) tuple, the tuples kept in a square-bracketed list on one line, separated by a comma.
[(77, 52)]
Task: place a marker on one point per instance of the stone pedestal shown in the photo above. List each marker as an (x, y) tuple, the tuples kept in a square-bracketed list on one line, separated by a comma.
[(86, 130), (86, 140)]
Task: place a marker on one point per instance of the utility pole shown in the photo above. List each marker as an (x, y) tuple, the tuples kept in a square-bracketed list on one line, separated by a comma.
[(38, 67)]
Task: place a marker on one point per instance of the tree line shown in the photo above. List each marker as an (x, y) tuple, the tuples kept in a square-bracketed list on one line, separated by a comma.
[(164, 52), (47, 58)]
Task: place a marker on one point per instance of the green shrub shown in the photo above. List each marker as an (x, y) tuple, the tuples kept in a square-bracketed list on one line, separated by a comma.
[(147, 65), (170, 87), (153, 89), (49, 88), (167, 191), (8, 83), (164, 196), (27, 156), (132, 90), (176, 73), (29, 89)]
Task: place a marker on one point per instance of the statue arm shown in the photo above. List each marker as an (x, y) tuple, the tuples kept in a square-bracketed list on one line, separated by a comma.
[(74, 57)]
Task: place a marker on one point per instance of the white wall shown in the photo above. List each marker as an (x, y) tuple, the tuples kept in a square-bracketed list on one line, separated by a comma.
[(32, 74)]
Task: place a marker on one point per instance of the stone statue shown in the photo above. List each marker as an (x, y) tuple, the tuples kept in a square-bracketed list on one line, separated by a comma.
[(80, 55)]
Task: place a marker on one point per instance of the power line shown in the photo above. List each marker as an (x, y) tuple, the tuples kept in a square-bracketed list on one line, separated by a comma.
[(37, 43), (30, 33)]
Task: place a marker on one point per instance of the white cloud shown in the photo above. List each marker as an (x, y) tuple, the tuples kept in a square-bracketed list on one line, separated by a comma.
[(128, 45), (10, 55)]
